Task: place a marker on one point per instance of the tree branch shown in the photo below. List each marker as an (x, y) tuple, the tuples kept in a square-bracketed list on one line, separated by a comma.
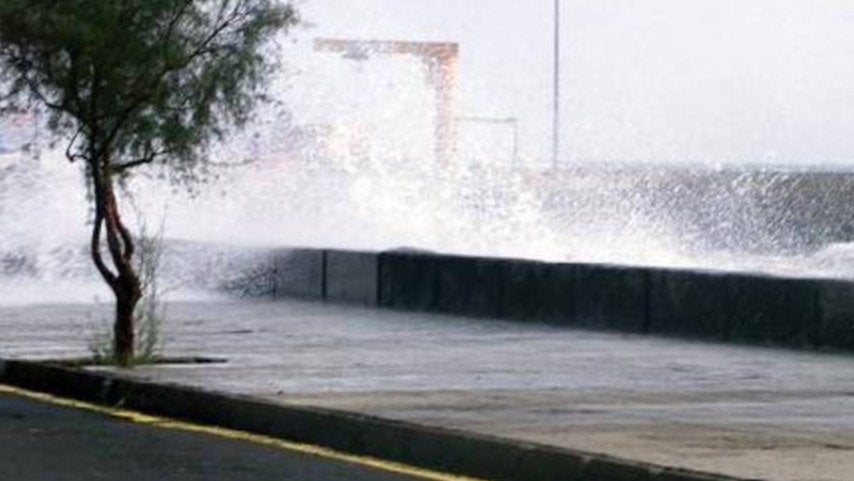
[(71, 156), (202, 49), (95, 245), (35, 90), (148, 157), (121, 168)]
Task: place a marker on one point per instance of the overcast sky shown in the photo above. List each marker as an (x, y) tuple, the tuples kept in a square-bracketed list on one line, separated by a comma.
[(663, 80)]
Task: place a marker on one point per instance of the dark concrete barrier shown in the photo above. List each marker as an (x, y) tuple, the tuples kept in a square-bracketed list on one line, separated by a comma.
[(691, 304), (408, 280), (747, 308), (352, 277), (612, 297), (538, 291), (469, 286), (836, 314), (773, 310), (425, 447), (298, 273), (701, 304)]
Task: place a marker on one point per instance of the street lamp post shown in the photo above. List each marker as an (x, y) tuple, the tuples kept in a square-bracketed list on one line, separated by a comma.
[(556, 96)]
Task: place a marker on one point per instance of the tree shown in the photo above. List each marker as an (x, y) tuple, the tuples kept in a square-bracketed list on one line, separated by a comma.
[(132, 83)]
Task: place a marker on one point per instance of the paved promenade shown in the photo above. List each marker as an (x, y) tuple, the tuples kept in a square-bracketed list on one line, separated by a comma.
[(771, 414)]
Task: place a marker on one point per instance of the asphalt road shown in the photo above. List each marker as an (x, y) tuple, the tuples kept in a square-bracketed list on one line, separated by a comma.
[(749, 412), (42, 441)]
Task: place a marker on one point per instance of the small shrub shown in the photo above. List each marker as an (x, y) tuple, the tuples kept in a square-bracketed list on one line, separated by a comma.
[(150, 312)]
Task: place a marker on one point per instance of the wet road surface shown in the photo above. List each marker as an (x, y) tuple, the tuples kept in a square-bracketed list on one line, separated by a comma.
[(752, 412), (41, 441)]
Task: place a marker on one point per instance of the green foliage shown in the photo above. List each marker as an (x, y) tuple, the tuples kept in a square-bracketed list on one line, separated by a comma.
[(139, 81), (131, 83)]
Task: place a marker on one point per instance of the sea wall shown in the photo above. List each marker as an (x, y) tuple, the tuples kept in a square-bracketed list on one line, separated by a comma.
[(722, 306)]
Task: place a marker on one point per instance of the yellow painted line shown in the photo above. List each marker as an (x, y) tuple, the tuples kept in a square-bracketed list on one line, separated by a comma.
[(166, 423)]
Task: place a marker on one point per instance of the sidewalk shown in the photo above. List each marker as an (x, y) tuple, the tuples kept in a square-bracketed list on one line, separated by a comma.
[(749, 412)]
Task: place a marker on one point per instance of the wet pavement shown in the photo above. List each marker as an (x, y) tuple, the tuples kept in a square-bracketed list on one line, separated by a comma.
[(765, 413)]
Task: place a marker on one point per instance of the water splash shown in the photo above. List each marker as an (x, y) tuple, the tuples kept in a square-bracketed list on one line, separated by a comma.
[(346, 159)]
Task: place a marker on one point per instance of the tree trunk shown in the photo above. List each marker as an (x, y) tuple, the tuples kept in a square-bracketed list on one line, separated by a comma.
[(123, 329), (121, 275), (126, 286)]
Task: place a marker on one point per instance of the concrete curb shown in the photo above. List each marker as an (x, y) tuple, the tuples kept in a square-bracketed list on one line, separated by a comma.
[(431, 448)]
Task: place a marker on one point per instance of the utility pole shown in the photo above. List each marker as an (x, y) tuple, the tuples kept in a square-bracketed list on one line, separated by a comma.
[(556, 97)]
